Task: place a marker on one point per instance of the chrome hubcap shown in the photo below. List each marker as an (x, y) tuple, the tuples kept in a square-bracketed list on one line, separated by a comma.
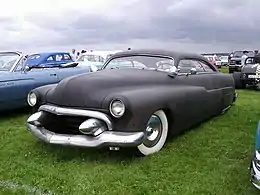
[(153, 131)]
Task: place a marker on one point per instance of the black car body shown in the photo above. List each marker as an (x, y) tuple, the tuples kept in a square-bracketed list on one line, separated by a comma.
[(235, 61), (250, 73), (136, 99)]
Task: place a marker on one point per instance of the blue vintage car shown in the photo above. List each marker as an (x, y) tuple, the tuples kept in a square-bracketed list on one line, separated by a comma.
[(16, 80), (255, 162), (49, 59)]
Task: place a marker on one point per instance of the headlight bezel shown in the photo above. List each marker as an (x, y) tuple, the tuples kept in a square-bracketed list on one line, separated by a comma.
[(113, 112), (29, 99)]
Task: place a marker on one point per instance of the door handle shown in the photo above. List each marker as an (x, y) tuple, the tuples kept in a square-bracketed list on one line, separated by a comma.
[(53, 74)]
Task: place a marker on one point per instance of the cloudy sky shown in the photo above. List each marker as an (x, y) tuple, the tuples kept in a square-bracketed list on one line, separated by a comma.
[(191, 25)]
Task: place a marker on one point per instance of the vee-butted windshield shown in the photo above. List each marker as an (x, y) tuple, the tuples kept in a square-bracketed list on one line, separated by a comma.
[(8, 60), (141, 61)]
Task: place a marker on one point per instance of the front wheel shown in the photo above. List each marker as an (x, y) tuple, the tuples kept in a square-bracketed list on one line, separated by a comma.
[(156, 134)]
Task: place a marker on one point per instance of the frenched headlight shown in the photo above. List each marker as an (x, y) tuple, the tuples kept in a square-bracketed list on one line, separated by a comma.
[(32, 99), (117, 108)]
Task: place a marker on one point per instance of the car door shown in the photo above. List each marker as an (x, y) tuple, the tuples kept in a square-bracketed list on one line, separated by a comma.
[(23, 82), (200, 103), (223, 86)]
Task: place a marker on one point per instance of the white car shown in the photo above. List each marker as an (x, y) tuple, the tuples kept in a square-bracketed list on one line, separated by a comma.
[(214, 59), (95, 58), (224, 60)]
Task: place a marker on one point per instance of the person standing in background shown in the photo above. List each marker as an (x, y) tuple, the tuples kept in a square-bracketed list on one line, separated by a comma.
[(78, 53), (73, 54), (244, 57)]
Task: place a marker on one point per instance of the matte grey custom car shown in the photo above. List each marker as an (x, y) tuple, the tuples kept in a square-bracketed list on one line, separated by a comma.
[(250, 73), (138, 99)]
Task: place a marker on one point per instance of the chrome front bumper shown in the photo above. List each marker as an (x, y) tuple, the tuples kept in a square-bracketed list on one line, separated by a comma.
[(255, 170), (105, 136)]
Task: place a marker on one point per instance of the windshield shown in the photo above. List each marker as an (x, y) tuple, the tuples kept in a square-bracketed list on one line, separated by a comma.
[(239, 54), (217, 58), (141, 61), (7, 61), (91, 58), (224, 57)]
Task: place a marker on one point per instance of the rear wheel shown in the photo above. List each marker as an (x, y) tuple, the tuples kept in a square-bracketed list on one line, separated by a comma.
[(239, 83), (156, 134)]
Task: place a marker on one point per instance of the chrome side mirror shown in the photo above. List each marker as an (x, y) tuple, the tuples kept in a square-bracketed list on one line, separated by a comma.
[(27, 68), (193, 71), (173, 72)]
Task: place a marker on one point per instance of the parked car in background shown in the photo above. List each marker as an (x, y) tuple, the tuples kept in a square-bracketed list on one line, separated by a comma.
[(94, 58), (255, 161), (16, 79), (138, 99), (250, 73), (48, 59), (235, 61), (224, 60), (214, 59)]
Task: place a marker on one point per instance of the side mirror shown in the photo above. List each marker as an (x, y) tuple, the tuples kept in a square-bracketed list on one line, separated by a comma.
[(27, 68), (173, 72), (93, 68), (192, 71)]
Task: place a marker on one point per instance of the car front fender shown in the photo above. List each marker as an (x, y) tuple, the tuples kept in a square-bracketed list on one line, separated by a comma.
[(142, 102)]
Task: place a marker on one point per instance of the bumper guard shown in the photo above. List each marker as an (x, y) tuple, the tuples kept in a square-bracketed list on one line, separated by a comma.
[(106, 137)]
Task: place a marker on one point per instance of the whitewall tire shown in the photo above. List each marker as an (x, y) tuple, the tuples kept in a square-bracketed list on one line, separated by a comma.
[(156, 134)]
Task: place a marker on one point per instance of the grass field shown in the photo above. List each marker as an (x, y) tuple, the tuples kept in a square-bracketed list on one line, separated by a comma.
[(211, 159)]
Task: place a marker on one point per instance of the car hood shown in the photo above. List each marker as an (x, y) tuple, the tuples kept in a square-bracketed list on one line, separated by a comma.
[(236, 58), (90, 89), (251, 68)]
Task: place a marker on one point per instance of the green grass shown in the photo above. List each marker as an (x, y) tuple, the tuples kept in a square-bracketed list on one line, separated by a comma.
[(211, 159)]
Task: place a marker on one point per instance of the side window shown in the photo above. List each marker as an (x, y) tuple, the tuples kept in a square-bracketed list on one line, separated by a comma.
[(67, 57), (58, 57), (20, 65), (101, 59), (186, 64), (206, 67), (49, 59)]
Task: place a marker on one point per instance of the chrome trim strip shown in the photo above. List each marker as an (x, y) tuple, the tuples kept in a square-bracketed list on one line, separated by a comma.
[(78, 112), (107, 138)]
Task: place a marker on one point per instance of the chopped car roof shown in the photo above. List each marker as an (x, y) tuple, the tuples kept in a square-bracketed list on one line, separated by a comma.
[(173, 54)]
